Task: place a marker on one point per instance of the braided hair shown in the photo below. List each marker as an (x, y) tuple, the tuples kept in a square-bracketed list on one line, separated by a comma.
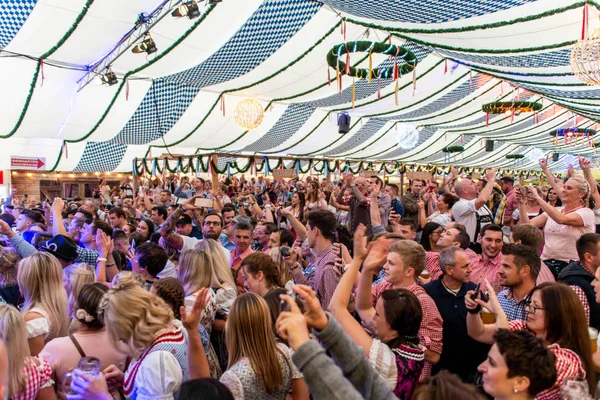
[(172, 292)]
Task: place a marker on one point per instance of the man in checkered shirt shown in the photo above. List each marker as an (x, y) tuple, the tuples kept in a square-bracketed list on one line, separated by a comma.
[(518, 272), (410, 258)]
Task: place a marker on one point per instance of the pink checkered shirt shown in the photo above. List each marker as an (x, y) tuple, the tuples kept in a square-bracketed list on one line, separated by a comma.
[(430, 333), (568, 365)]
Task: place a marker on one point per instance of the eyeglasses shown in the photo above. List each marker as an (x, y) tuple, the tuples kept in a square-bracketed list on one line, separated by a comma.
[(531, 309), (215, 223)]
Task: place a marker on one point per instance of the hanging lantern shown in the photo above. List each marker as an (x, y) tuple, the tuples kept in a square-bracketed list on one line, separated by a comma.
[(535, 154), (408, 137), (585, 59), (248, 114)]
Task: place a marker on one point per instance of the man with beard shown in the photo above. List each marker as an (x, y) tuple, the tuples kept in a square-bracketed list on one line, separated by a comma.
[(448, 292), (518, 272)]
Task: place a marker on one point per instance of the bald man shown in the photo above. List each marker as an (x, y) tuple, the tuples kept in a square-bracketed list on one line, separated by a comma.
[(471, 210)]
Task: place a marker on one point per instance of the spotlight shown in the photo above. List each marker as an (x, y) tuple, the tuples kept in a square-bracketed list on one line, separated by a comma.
[(146, 45), (109, 77), (188, 9)]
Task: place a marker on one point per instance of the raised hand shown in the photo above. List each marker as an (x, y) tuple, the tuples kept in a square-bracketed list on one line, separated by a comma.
[(543, 162), (191, 319)]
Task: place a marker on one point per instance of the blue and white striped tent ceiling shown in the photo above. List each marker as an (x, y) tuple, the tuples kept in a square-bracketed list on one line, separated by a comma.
[(181, 98)]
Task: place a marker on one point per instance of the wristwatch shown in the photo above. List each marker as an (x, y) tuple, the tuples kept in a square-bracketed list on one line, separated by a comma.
[(296, 267)]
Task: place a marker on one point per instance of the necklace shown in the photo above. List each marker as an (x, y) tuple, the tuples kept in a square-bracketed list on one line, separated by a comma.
[(454, 292)]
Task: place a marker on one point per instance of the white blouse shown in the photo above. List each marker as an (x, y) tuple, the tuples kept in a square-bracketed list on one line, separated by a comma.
[(159, 376)]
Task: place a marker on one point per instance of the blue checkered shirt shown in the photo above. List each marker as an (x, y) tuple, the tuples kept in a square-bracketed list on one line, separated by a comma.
[(514, 311)]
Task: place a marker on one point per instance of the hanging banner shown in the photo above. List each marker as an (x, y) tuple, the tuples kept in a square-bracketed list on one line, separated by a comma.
[(423, 175), (368, 174), (284, 173)]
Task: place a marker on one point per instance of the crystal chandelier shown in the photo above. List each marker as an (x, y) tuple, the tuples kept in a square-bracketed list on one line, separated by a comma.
[(585, 59)]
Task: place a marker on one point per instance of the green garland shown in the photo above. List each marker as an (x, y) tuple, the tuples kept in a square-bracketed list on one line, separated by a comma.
[(500, 107), (469, 28), (187, 163), (515, 156), (453, 149), (47, 54), (333, 59)]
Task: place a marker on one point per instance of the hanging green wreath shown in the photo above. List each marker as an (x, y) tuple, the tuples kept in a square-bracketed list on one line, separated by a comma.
[(453, 149), (515, 156), (501, 107), (335, 54)]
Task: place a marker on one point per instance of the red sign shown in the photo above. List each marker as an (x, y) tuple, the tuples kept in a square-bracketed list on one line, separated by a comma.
[(1, 177), (31, 163)]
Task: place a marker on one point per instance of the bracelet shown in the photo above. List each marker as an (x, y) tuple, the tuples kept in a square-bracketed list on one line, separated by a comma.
[(102, 259), (296, 267)]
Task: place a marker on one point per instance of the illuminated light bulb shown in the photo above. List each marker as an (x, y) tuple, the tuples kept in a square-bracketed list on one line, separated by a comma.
[(14, 172), (71, 175), (96, 173), (508, 113), (85, 174), (119, 175), (29, 174)]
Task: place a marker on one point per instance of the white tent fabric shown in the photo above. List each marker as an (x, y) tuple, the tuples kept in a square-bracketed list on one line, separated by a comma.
[(469, 53)]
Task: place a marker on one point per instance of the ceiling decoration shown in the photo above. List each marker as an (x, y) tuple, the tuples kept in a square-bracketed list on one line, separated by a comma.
[(182, 97)]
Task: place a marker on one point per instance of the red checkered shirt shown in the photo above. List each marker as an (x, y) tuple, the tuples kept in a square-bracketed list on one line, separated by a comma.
[(584, 301), (37, 377), (430, 334), (568, 365)]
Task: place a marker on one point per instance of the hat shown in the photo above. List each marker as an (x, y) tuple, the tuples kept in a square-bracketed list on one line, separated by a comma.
[(507, 178), (8, 218), (61, 247), (184, 220), (240, 219)]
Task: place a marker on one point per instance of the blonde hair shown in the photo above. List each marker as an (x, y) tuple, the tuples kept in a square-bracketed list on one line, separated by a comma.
[(411, 253), (75, 277), (220, 267), (195, 271), (41, 284), (133, 315), (584, 188), (136, 276), (285, 274), (249, 333), (9, 258), (14, 336)]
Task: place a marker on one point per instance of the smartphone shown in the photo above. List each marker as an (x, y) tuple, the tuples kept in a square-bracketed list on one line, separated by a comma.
[(284, 305), (285, 251), (206, 203), (133, 244), (474, 296), (26, 195)]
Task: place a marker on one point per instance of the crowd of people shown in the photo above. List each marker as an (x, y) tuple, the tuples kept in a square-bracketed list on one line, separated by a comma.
[(343, 287)]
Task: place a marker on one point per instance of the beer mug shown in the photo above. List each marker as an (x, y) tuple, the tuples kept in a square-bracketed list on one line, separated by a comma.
[(424, 274), (593, 339), (88, 365), (487, 317)]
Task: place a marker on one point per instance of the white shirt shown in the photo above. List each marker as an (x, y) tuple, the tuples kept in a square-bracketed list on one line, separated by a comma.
[(465, 213), (190, 243)]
